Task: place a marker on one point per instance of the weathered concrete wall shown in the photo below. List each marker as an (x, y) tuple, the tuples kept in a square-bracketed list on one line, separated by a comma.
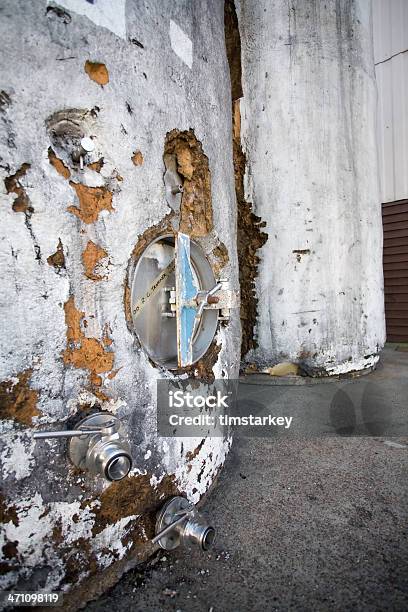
[(125, 74), (308, 133)]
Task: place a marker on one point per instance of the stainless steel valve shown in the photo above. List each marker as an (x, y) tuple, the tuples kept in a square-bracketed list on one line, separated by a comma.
[(98, 444), (179, 523)]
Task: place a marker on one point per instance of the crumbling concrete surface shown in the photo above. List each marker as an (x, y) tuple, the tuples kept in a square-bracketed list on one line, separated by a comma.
[(308, 134), (125, 80)]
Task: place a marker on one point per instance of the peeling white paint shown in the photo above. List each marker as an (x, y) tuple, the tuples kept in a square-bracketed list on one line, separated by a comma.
[(350, 366), (181, 44), (72, 530), (33, 527), (110, 538), (103, 13), (202, 465), (17, 456), (135, 471), (156, 480)]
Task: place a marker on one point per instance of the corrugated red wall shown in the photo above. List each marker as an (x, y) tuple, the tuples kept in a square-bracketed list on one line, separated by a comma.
[(395, 223)]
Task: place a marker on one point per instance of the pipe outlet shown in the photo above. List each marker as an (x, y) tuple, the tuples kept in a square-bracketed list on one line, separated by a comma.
[(97, 444), (180, 524)]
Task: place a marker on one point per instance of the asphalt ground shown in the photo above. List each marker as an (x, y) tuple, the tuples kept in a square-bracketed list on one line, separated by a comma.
[(303, 523)]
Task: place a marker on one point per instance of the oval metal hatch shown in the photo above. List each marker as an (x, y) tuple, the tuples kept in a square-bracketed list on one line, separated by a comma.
[(163, 327)]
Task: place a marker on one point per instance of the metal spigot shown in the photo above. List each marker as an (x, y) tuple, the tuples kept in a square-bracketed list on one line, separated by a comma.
[(179, 523), (86, 146), (97, 444)]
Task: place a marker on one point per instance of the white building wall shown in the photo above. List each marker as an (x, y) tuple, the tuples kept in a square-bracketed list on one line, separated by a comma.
[(390, 26)]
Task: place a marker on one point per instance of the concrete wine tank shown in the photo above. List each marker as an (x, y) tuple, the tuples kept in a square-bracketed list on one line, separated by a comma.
[(104, 117)]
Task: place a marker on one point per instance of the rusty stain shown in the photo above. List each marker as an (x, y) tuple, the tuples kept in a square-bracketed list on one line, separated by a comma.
[(13, 185), (56, 535), (91, 356), (192, 454), (57, 260), (77, 556), (97, 72), (196, 217), (91, 201), (103, 397), (90, 258), (137, 158), (233, 48), (140, 533), (58, 164), (77, 561), (116, 176), (8, 513), (133, 495), (203, 369), (220, 258), (96, 380), (97, 166), (250, 238), (10, 549), (126, 301), (18, 401), (103, 578)]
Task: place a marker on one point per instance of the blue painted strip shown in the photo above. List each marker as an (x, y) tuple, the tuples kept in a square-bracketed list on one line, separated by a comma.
[(186, 291)]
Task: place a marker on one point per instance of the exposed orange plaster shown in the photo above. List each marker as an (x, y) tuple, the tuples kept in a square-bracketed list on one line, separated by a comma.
[(91, 257), (97, 72), (58, 164), (91, 201), (57, 259), (96, 166), (82, 352), (137, 158), (113, 373)]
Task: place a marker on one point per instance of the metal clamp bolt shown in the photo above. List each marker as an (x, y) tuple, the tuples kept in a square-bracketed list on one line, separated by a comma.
[(86, 146)]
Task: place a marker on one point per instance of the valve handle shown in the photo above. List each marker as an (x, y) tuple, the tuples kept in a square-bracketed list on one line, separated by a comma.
[(83, 430), (183, 514), (204, 298)]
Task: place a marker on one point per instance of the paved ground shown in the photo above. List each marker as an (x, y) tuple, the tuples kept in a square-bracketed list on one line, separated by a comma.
[(302, 524)]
